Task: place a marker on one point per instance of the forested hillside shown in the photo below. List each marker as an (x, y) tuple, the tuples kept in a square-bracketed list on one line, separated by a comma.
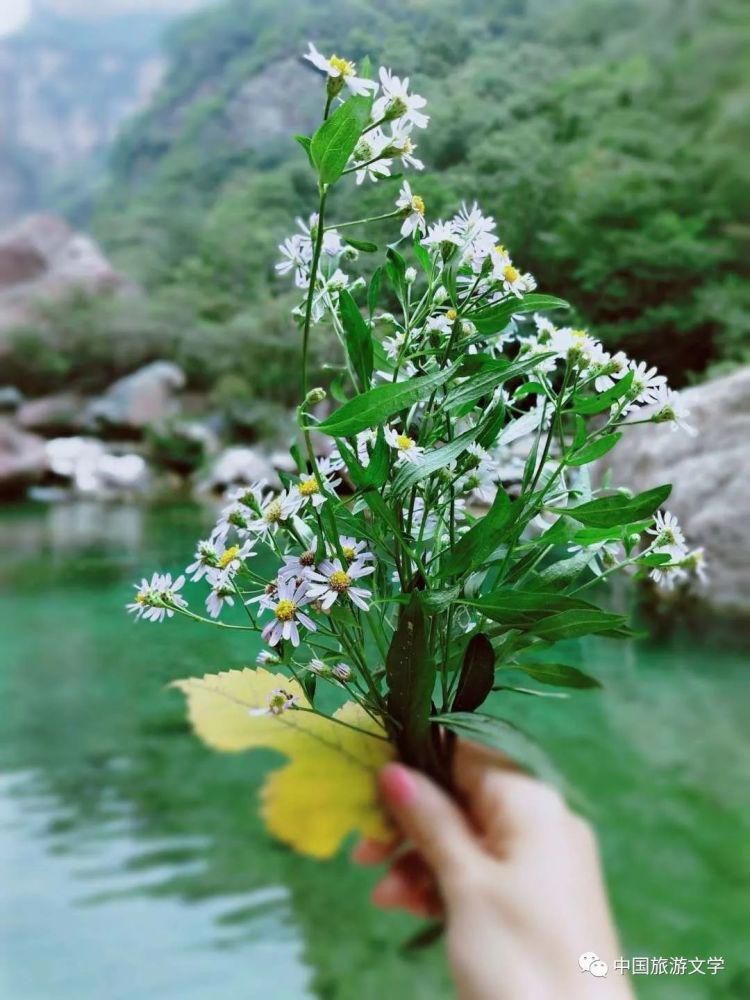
[(606, 136)]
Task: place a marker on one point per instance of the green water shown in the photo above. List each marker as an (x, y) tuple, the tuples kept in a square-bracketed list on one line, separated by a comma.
[(132, 866)]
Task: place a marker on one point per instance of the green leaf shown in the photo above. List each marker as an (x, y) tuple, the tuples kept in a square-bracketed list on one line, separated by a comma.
[(523, 608), (423, 257), (373, 408), (581, 621), (305, 141), (498, 734), (495, 318), (590, 452), (410, 675), (558, 674), (477, 674), (481, 540), (358, 339), (596, 404), (434, 601), (395, 268), (412, 473), (334, 142), (488, 379), (606, 512), (373, 292), (363, 245)]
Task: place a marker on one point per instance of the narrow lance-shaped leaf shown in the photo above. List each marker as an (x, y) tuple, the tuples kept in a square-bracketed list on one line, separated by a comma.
[(597, 404), (377, 405), (481, 539), (498, 734), (606, 512), (557, 674), (410, 675), (495, 318), (412, 473), (358, 339), (487, 380), (595, 449)]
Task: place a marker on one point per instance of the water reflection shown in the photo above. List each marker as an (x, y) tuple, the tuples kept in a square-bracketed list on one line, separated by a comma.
[(88, 912)]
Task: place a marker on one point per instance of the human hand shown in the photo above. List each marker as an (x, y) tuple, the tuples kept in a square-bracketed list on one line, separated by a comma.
[(515, 874)]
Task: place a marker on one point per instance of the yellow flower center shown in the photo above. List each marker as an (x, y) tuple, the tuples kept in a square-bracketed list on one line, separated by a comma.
[(339, 580), (272, 513), (510, 273), (285, 609), (140, 597), (451, 315), (417, 204), (226, 557), (404, 442), (500, 250), (407, 146), (348, 552), (345, 66), (308, 487), (579, 334)]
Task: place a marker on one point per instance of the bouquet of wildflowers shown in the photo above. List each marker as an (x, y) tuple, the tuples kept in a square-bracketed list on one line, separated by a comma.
[(451, 531)]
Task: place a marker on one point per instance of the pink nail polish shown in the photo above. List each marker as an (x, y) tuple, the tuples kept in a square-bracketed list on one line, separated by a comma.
[(397, 784)]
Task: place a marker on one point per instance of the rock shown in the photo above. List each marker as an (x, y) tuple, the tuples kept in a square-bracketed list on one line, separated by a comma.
[(238, 467), (147, 396), (10, 398), (710, 474), (23, 460), (93, 471), (52, 415), (43, 259)]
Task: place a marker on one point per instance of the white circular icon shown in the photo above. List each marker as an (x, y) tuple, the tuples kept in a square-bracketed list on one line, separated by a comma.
[(590, 962)]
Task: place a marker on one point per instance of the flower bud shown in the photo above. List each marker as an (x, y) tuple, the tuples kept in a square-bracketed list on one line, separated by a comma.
[(342, 672), (316, 395), (410, 275), (440, 295)]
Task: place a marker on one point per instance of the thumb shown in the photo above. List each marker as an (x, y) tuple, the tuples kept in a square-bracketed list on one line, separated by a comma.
[(431, 821)]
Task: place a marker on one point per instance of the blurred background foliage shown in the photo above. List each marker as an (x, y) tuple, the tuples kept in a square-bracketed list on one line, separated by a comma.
[(606, 136)]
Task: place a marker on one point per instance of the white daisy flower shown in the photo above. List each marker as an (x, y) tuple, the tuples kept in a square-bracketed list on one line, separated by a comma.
[(669, 407), (396, 101), (354, 550), (407, 449), (647, 383), (667, 577), (413, 208), (279, 701), (287, 615), (308, 491), (443, 323), (157, 599), (330, 581), (206, 557), (274, 509), (695, 561), (394, 345), (668, 534), (477, 230), (440, 233), (340, 69), (266, 658), (298, 567), (368, 158), (221, 593), (296, 255), (610, 370), (402, 146)]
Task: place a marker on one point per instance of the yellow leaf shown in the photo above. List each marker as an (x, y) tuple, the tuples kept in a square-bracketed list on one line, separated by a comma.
[(327, 790)]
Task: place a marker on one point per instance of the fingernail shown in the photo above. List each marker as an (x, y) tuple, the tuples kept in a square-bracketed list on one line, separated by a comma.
[(397, 784), (388, 890)]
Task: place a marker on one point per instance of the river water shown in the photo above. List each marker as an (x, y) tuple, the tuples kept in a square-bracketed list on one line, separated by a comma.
[(132, 864)]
